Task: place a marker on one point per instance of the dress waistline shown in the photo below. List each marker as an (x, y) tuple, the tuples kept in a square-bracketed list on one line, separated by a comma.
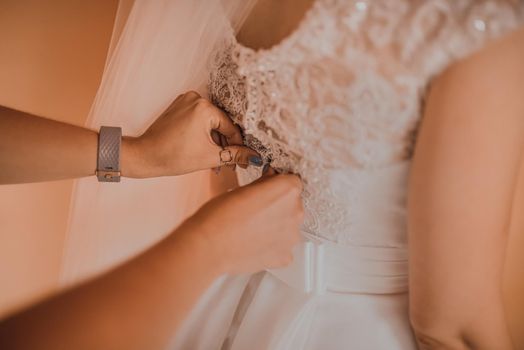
[(321, 267)]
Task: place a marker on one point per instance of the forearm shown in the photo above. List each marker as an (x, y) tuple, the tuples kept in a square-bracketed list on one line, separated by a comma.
[(136, 306), (488, 330), (36, 149)]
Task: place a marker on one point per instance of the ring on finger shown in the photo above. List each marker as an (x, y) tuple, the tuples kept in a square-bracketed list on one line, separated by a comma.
[(226, 157)]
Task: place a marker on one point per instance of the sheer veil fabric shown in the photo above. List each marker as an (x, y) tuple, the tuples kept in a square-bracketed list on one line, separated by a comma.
[(160, 52)]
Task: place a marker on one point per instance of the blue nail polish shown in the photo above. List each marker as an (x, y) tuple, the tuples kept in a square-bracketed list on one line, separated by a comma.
[(255, 160)]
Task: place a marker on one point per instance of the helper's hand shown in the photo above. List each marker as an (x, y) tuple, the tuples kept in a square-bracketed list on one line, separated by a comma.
[(252, 228), (180, 141)]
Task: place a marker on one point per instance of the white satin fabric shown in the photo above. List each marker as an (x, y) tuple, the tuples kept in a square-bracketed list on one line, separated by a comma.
[(333, 296), (278, 316), (281, 317)]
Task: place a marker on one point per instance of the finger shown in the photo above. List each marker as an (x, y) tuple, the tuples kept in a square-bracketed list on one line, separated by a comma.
[(178, 98), (294, 181), (240, 155), (223, 140), (267, 170), (191, 95), (244, 156), (224, 125), (188, 96), (173, 104), (217, 138), (285, 182)]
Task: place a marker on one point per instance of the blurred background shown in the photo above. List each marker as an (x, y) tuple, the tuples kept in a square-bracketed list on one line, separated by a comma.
[(52, 56)]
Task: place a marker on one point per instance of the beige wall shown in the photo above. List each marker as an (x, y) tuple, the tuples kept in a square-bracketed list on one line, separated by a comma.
[(51, 58)]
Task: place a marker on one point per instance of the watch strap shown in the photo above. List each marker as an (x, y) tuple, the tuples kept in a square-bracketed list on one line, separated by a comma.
[(108, 161)]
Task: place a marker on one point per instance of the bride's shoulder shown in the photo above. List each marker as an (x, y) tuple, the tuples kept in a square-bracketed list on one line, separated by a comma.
[(480, 97), (495, 69), (466, 163)]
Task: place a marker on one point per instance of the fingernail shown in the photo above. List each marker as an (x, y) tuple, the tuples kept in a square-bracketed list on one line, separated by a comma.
[(265, 168), (255, 160)]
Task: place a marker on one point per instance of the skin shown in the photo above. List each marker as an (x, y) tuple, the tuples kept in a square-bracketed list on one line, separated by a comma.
[(140, 304), (271, 21), (462, 183)]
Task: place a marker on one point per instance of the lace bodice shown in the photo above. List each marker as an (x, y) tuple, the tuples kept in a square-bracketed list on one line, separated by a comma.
[(339, 101)]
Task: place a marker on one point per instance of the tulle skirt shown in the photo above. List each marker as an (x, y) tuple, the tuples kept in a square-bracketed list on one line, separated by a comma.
[(277, 316)]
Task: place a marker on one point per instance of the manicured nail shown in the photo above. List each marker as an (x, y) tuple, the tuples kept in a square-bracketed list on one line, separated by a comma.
[(255, 160), (265, 168)]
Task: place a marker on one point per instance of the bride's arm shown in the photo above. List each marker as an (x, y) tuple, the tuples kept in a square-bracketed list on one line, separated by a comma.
[(461, 190)]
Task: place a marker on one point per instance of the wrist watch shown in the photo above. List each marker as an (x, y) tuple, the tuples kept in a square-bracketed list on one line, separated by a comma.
[(108, 161)]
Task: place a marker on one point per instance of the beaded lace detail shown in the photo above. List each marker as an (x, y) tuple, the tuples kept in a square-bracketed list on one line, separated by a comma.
[(339, 101)]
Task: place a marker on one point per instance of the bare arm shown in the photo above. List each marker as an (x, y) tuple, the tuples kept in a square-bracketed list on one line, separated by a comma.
[(136, 306), (140, 304), (37, 149), (462, 182)]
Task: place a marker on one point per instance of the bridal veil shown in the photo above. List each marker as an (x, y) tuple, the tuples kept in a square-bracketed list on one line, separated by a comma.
[(160, 52)]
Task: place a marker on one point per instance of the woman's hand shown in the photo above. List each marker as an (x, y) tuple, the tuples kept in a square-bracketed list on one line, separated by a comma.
[(139, 304), (252, 228), (180, 141)]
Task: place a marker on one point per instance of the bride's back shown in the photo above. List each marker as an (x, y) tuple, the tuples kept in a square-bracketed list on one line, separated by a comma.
[(335, 94)]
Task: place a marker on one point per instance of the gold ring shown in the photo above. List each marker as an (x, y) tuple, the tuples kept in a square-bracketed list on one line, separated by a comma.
[(225, 157)]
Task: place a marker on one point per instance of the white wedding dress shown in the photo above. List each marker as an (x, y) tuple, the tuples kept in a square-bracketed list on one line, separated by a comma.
[(338, 102)]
